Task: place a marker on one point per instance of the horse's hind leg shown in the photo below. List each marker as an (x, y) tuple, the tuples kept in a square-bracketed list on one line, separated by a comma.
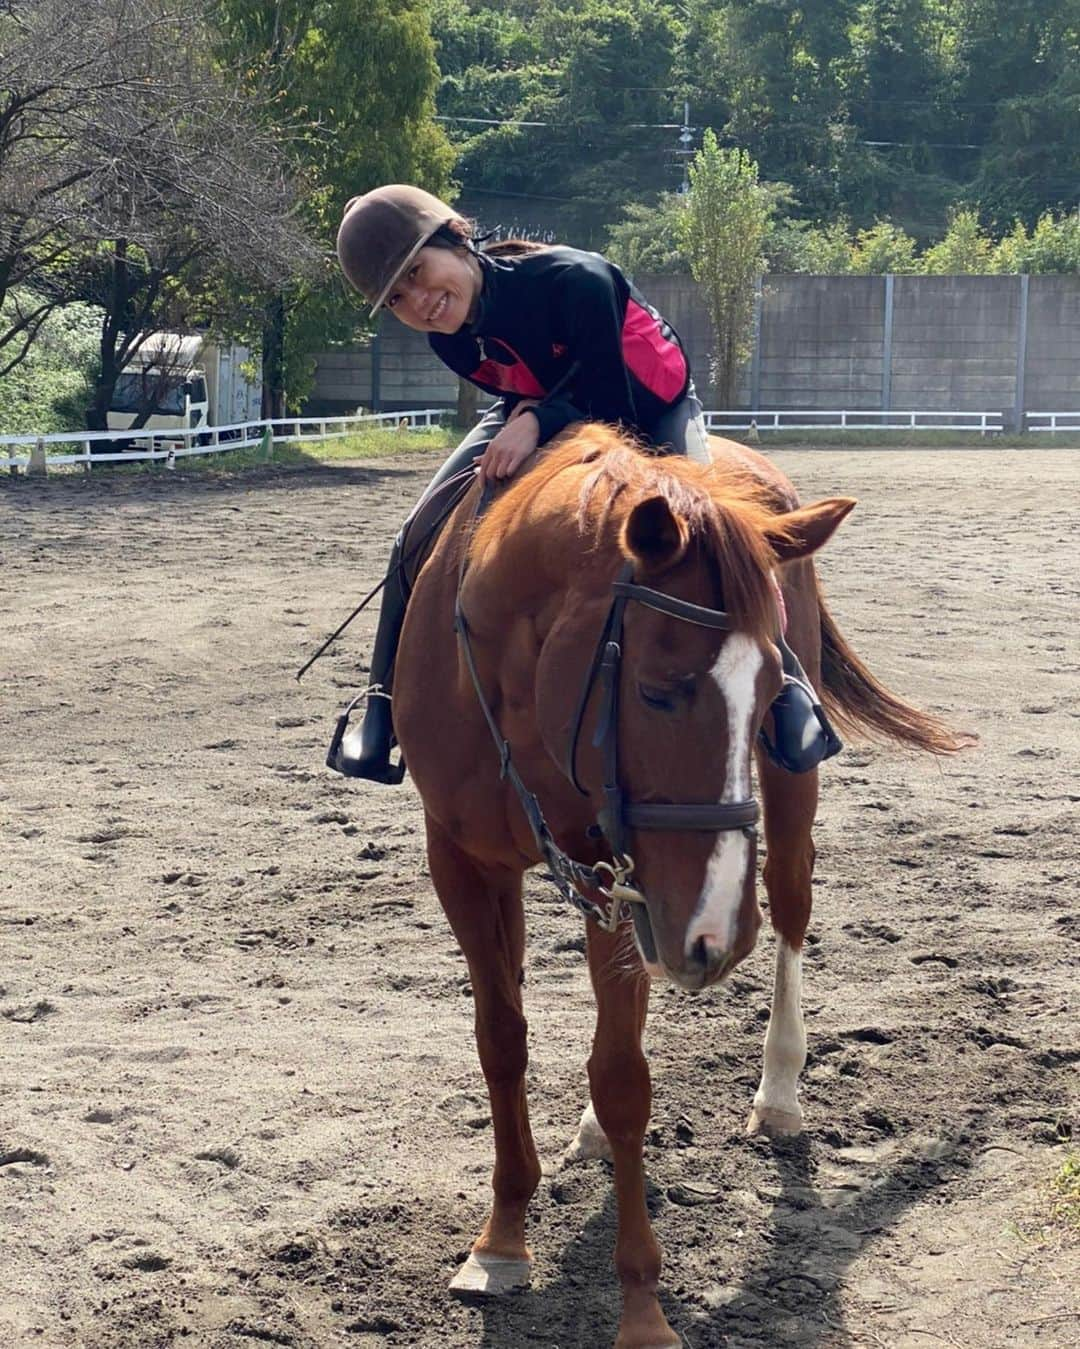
[(622, 1097), (484, 907), (790, 802)]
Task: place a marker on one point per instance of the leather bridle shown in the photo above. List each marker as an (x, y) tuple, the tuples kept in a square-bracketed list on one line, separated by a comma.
[(618, 814)]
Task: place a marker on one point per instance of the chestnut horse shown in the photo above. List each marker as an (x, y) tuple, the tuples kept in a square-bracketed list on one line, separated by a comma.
[(699, 551)]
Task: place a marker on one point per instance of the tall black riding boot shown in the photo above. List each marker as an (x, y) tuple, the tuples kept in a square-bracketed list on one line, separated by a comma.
[(364, 751), (802, 734)]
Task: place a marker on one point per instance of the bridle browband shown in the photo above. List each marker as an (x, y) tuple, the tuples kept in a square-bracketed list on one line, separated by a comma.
[(617, 815)]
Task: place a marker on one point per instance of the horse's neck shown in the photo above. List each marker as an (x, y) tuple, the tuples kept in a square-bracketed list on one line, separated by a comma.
[(532, 568)]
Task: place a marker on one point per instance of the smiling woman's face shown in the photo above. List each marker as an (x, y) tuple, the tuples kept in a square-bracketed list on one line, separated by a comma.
[(437, 293)]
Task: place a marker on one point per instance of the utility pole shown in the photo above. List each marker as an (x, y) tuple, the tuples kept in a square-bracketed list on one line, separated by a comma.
[(686, 140)]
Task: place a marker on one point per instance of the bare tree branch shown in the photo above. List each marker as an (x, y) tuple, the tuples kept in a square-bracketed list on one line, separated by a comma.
[(116, 125)]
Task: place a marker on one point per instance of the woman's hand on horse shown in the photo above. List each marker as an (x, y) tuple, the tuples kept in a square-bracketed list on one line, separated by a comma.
[(510, 448)]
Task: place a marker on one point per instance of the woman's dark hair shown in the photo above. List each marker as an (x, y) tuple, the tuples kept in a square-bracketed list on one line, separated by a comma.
[(458, 233)]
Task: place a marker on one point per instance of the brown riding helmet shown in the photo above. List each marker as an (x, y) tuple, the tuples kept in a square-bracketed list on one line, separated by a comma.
[(382, 231)]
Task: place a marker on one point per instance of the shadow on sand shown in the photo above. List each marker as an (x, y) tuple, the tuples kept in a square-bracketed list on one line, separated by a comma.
[(789, 1292), (106, 486)]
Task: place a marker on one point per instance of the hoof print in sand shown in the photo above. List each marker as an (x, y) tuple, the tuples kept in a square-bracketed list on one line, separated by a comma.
[(23, 1161), (29, 1012)]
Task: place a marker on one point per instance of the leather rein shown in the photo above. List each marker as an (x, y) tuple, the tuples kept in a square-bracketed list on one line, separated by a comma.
[(614, 879)]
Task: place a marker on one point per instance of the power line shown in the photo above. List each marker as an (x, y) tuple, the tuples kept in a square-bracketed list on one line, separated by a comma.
[(468, 190), (564, 126), (682, 127), (922, 145)]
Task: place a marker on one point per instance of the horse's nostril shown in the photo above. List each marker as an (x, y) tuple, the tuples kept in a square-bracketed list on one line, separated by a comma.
[(708, 953)]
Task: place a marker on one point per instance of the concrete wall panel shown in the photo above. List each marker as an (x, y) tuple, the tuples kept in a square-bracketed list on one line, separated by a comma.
[(954, 346)]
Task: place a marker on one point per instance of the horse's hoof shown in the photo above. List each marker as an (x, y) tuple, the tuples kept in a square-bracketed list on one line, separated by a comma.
[(773, 1123), (484, 1275), (591, 1143), (647, 1328), (630, 1342), (586, 1150)]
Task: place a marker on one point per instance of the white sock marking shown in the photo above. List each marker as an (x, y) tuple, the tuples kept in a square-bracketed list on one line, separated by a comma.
[(591, 1141), (735, 673), (785, 1039)]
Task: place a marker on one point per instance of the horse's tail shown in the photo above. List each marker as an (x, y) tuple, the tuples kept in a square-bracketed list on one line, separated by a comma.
[(857, 702)]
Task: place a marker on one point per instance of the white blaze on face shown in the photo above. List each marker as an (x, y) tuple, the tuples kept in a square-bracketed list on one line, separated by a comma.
[(735, 672)]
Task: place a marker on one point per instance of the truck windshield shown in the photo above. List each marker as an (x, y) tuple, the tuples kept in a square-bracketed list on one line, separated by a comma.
[(134, 390)]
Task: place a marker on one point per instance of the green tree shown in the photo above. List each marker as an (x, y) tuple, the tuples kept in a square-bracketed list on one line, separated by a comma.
[(356, 85), (50, 389), (648, 238), (593, 77), (798, 246), (1017, 79), (884, 247), (1052, 246), (964, 249), (786, 66), (899, 100), (723, 234), (872, 109)]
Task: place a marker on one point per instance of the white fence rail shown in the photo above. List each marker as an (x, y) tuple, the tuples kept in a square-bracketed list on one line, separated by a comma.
[(1052, 421), (855, 420), (171, 443), (174, 443)]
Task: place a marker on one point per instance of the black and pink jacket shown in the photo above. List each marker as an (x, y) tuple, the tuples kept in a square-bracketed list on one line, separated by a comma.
[(541, 312)]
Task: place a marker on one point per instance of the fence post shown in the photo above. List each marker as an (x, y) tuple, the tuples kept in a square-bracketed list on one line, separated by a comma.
[(37, 467), (1021, 352), (376, 366), (886, 346), (755, 354)]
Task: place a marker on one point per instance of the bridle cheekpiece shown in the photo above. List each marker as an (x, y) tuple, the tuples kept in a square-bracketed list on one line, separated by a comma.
[(613, 880)]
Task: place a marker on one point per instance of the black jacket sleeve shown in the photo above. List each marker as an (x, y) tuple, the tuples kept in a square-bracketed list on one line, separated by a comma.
[(589, 310)]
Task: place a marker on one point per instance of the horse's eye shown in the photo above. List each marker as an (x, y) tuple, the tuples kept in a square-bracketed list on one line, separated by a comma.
[(660, 700)]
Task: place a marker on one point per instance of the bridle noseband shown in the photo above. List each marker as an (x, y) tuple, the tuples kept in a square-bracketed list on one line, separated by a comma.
[(617, 815)]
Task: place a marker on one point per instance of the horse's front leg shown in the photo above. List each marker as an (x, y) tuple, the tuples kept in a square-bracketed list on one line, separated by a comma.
[(622, 1098), (790, 803), (485, 911)]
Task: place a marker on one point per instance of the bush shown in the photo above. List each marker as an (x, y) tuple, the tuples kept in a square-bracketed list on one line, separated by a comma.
[(49, 390)]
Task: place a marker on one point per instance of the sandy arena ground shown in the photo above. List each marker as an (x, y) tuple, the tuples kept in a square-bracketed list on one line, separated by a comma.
[(239, 1100)]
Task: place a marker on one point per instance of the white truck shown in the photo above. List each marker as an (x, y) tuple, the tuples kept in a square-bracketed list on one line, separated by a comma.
[(192, 382)]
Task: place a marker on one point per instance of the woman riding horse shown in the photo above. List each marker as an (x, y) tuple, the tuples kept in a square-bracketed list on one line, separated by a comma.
[(559, 336)]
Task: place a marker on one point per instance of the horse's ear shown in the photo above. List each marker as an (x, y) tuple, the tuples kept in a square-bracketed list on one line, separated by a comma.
[(654, 535), (799, 533)]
